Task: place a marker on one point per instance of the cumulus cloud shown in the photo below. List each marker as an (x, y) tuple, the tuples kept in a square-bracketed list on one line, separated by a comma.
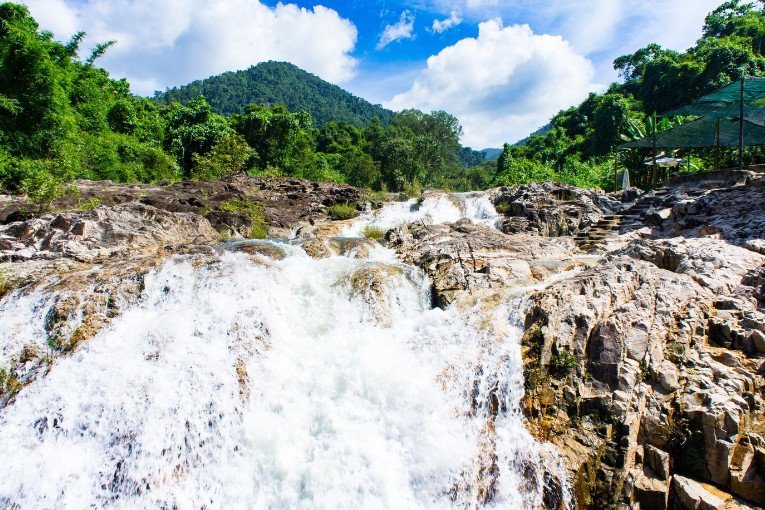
[(170, 42), (403, 29), (503, 84), (441, 25), (596, 26)]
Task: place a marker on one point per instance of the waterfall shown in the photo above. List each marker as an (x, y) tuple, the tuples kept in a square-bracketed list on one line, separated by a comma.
[(240, 381), (435, 208)]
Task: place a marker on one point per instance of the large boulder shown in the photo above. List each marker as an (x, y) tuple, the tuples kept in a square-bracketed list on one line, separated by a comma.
[(463, 257), (102, 233), (550, 209)]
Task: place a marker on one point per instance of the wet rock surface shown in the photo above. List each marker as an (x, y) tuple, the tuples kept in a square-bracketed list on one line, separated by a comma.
[(463, 258), (643, 363)]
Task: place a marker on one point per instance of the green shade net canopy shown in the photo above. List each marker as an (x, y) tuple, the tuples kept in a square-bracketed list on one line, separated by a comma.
[(726, 102), (721, 108), (700, 133)]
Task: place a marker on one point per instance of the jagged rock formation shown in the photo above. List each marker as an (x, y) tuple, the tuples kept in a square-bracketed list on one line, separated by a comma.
[(647, 370), (464, 258), (102, 233), (287, 203), (550, 209), (644, 364)]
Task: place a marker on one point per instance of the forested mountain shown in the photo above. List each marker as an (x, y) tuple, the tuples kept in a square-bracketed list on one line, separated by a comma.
[(279, 82), (62, 118), (579, 144)]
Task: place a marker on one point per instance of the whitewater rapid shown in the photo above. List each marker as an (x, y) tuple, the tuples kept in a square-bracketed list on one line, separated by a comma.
[(251, 382), (436, 207)]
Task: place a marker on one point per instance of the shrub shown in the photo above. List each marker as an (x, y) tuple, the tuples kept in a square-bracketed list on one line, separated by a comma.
[(229, 155), (645, 371), (562, 363), (89, 205), (8, 382), (371, 232), (378, 196), (254, 211), (502, 209), (5, 286), (41, 187), (344, 211), (414, 190)]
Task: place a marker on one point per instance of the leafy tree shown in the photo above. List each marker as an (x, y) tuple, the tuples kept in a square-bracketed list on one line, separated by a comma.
[(272, 131), (193, 129), (229, 155)]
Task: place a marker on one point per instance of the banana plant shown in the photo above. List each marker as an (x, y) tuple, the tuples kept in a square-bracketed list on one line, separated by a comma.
[(636, 130)]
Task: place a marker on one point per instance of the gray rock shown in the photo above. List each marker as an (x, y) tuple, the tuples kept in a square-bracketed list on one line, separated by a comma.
[(658, 461), (758, 339), (691, 495)]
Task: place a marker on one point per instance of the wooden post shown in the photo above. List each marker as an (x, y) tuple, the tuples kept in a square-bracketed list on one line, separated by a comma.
[(654, 149), (741, 128), (717, 144)]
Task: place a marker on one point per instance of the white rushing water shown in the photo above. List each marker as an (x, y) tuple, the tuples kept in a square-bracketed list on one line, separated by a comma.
[(255, 383), (436, 208)]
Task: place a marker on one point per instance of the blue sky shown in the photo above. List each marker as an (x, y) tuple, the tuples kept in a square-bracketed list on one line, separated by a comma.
[(502, 67)]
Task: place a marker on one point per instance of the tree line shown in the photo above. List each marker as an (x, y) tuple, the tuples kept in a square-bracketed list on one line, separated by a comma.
[(579, 144), (64, 118)]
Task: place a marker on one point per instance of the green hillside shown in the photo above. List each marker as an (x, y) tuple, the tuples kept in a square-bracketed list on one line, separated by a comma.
[(578, 145), (279, 82)]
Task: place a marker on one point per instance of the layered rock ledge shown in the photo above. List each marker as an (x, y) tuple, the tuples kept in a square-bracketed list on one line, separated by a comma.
[(644, 358)]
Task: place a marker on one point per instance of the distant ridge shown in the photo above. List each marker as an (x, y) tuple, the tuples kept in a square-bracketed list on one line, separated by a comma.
[(541, 131), (491, 154), (279, 82)]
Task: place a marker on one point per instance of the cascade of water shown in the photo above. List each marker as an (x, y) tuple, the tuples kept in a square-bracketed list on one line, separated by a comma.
[(246, 382), (434, 209)]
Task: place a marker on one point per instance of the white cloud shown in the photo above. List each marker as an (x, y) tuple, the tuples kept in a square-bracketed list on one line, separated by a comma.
[(170, 42), (402, 29), (503, 84), (594, 26), (453, 20)]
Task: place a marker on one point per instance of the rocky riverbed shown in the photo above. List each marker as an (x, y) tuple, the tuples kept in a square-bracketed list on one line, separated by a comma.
[(643, 348)]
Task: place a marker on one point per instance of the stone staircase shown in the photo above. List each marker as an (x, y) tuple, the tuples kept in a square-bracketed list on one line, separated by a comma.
[(594, 237), (631, 218)]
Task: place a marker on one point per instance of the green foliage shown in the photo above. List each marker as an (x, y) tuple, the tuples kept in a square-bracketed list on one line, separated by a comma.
[(254, 211), (343, 211), (578, 144), (280, 82), (193, 129), (40, 185), (89, 205), (229, 155), (414, 190), (5, 286), (9, 385), (62, 119), (371, 232), (562, 364), (71, 119)]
